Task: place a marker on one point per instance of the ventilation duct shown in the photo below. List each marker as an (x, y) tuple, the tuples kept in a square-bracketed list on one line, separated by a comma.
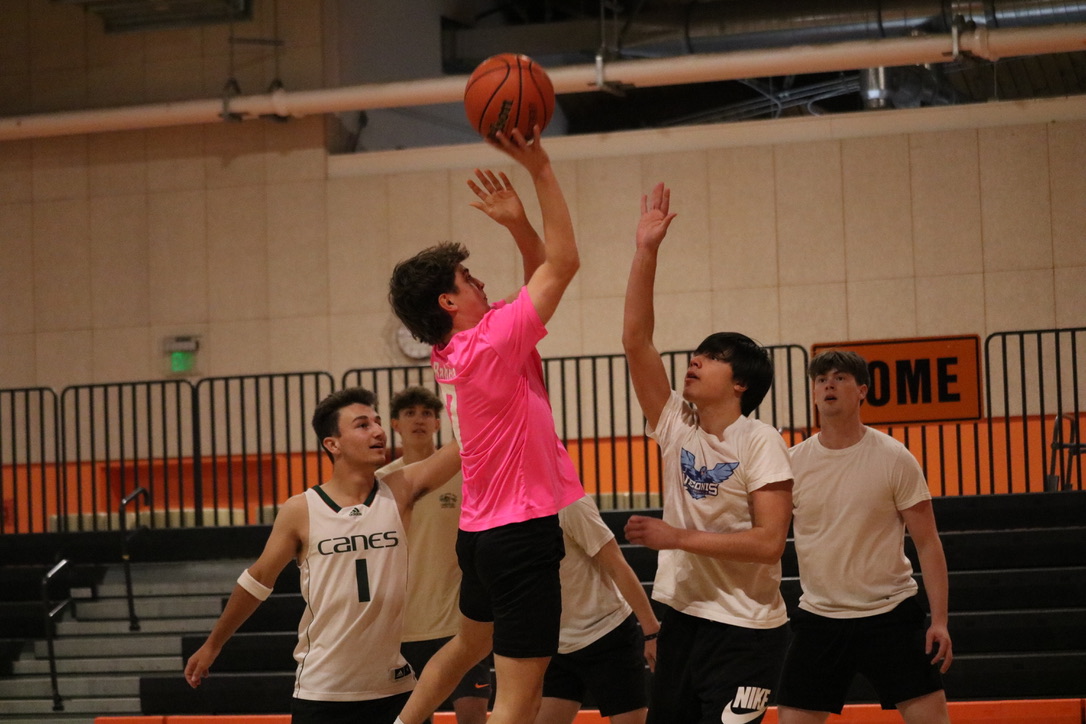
[(725, 26)]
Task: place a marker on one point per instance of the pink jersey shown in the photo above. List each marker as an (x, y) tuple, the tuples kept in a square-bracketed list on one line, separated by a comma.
[(515, 467)]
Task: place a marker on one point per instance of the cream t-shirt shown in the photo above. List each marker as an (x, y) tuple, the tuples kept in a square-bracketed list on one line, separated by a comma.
[(849, 533), (592, 605), (433, 573)]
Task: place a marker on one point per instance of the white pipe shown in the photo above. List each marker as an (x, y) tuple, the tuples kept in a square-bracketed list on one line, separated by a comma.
[(989, 44)]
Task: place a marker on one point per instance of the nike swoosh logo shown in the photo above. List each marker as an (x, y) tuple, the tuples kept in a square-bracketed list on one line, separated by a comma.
[(731, 716), (481, 686)]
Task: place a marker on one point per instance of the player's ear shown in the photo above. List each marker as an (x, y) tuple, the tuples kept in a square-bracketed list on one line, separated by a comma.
[(331, 445), (446, 302)]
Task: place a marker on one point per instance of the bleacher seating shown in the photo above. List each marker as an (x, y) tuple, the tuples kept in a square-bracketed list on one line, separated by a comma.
[(1017, 593)]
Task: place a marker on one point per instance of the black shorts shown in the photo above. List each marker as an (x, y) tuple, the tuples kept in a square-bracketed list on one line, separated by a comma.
[(887, 649), (709, 672), (510, 577), (372, 711), (476, 683), (611, 670)]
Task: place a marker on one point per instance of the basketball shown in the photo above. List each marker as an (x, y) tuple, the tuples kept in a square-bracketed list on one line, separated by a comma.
[(508, 91)]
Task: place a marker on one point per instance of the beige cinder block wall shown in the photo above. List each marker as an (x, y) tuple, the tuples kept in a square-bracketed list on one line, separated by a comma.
[(955, 220), (937, 221)]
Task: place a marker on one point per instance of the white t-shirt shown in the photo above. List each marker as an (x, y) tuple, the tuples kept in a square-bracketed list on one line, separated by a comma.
[(433, 574), (592, 605), (850, 536), (353, 580), (707, 486)]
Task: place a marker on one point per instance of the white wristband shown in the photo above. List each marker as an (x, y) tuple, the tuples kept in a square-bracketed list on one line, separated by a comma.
[(259, 591)]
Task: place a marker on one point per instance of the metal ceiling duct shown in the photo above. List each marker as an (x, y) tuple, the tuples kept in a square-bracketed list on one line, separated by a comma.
[(851, 34), (663, 28)]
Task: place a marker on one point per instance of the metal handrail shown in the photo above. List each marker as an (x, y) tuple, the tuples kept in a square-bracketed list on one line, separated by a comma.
[(133, 620), (1061, 450), (49, 614)]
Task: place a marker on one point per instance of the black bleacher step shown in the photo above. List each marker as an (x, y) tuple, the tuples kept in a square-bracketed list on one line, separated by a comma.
[(22, 582), (1018, 588), (258, 652), (1022, 631), (1020, 548), (1054, 675), (21, 619), (220, 693), (280, 612), (1010, 510), (987, 677)]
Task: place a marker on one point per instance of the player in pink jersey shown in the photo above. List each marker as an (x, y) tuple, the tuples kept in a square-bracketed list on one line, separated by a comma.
[(517, 474)]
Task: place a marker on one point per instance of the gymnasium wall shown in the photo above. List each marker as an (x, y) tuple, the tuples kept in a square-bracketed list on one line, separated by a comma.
[(960, 220)]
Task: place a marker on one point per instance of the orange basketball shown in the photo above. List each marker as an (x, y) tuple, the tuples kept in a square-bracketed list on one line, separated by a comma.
[(509, 91)]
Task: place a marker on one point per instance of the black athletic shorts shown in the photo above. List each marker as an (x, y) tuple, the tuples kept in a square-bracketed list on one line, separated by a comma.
[(476, 683), (887, 649), (372, 711), (611, 670), (709, 672), (510, 577)]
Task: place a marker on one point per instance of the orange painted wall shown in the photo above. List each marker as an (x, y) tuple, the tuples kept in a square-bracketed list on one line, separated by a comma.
[(955, 458)]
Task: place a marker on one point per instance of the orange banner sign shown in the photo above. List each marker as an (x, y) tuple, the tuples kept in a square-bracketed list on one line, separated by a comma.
[(930, 379)]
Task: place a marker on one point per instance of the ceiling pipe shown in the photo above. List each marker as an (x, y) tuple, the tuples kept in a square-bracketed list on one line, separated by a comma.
[(718, 26), (990, 44)]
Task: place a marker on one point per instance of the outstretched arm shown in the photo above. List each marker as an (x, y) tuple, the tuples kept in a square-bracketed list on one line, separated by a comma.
[(548, 281), (283, 545), (413, 481), (499, 200), (639, 321), (614, 564), (920, 522), (763, 542)]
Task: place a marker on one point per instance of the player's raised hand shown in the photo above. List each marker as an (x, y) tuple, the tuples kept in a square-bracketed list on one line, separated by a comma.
[(497, 197), (529, 154), (656, 216)]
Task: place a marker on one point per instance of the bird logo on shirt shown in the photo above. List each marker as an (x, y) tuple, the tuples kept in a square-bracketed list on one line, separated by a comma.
[(703, 482)]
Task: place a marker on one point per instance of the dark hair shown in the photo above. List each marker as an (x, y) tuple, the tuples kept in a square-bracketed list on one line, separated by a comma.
[(326, 416), (417, 283), (412, 397), (750, 362), (842, 360)]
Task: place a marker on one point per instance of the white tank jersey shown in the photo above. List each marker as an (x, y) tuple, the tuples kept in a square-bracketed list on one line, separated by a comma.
[(354, 582)]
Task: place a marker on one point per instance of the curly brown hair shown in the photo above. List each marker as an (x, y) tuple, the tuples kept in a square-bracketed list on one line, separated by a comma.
[(417, 283)]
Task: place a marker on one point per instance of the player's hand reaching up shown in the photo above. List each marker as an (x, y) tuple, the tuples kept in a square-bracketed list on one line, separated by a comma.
[(529, 154), (656, 216), (497, 198)]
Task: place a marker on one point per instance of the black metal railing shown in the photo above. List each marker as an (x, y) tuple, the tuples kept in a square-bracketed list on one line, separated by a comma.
[(30, 473), (229, 450), (126, 557), (50, 611), (118, 437)]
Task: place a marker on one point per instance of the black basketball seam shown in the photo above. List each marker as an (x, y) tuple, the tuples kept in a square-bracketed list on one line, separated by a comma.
[(542, 95), (489, 100)]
